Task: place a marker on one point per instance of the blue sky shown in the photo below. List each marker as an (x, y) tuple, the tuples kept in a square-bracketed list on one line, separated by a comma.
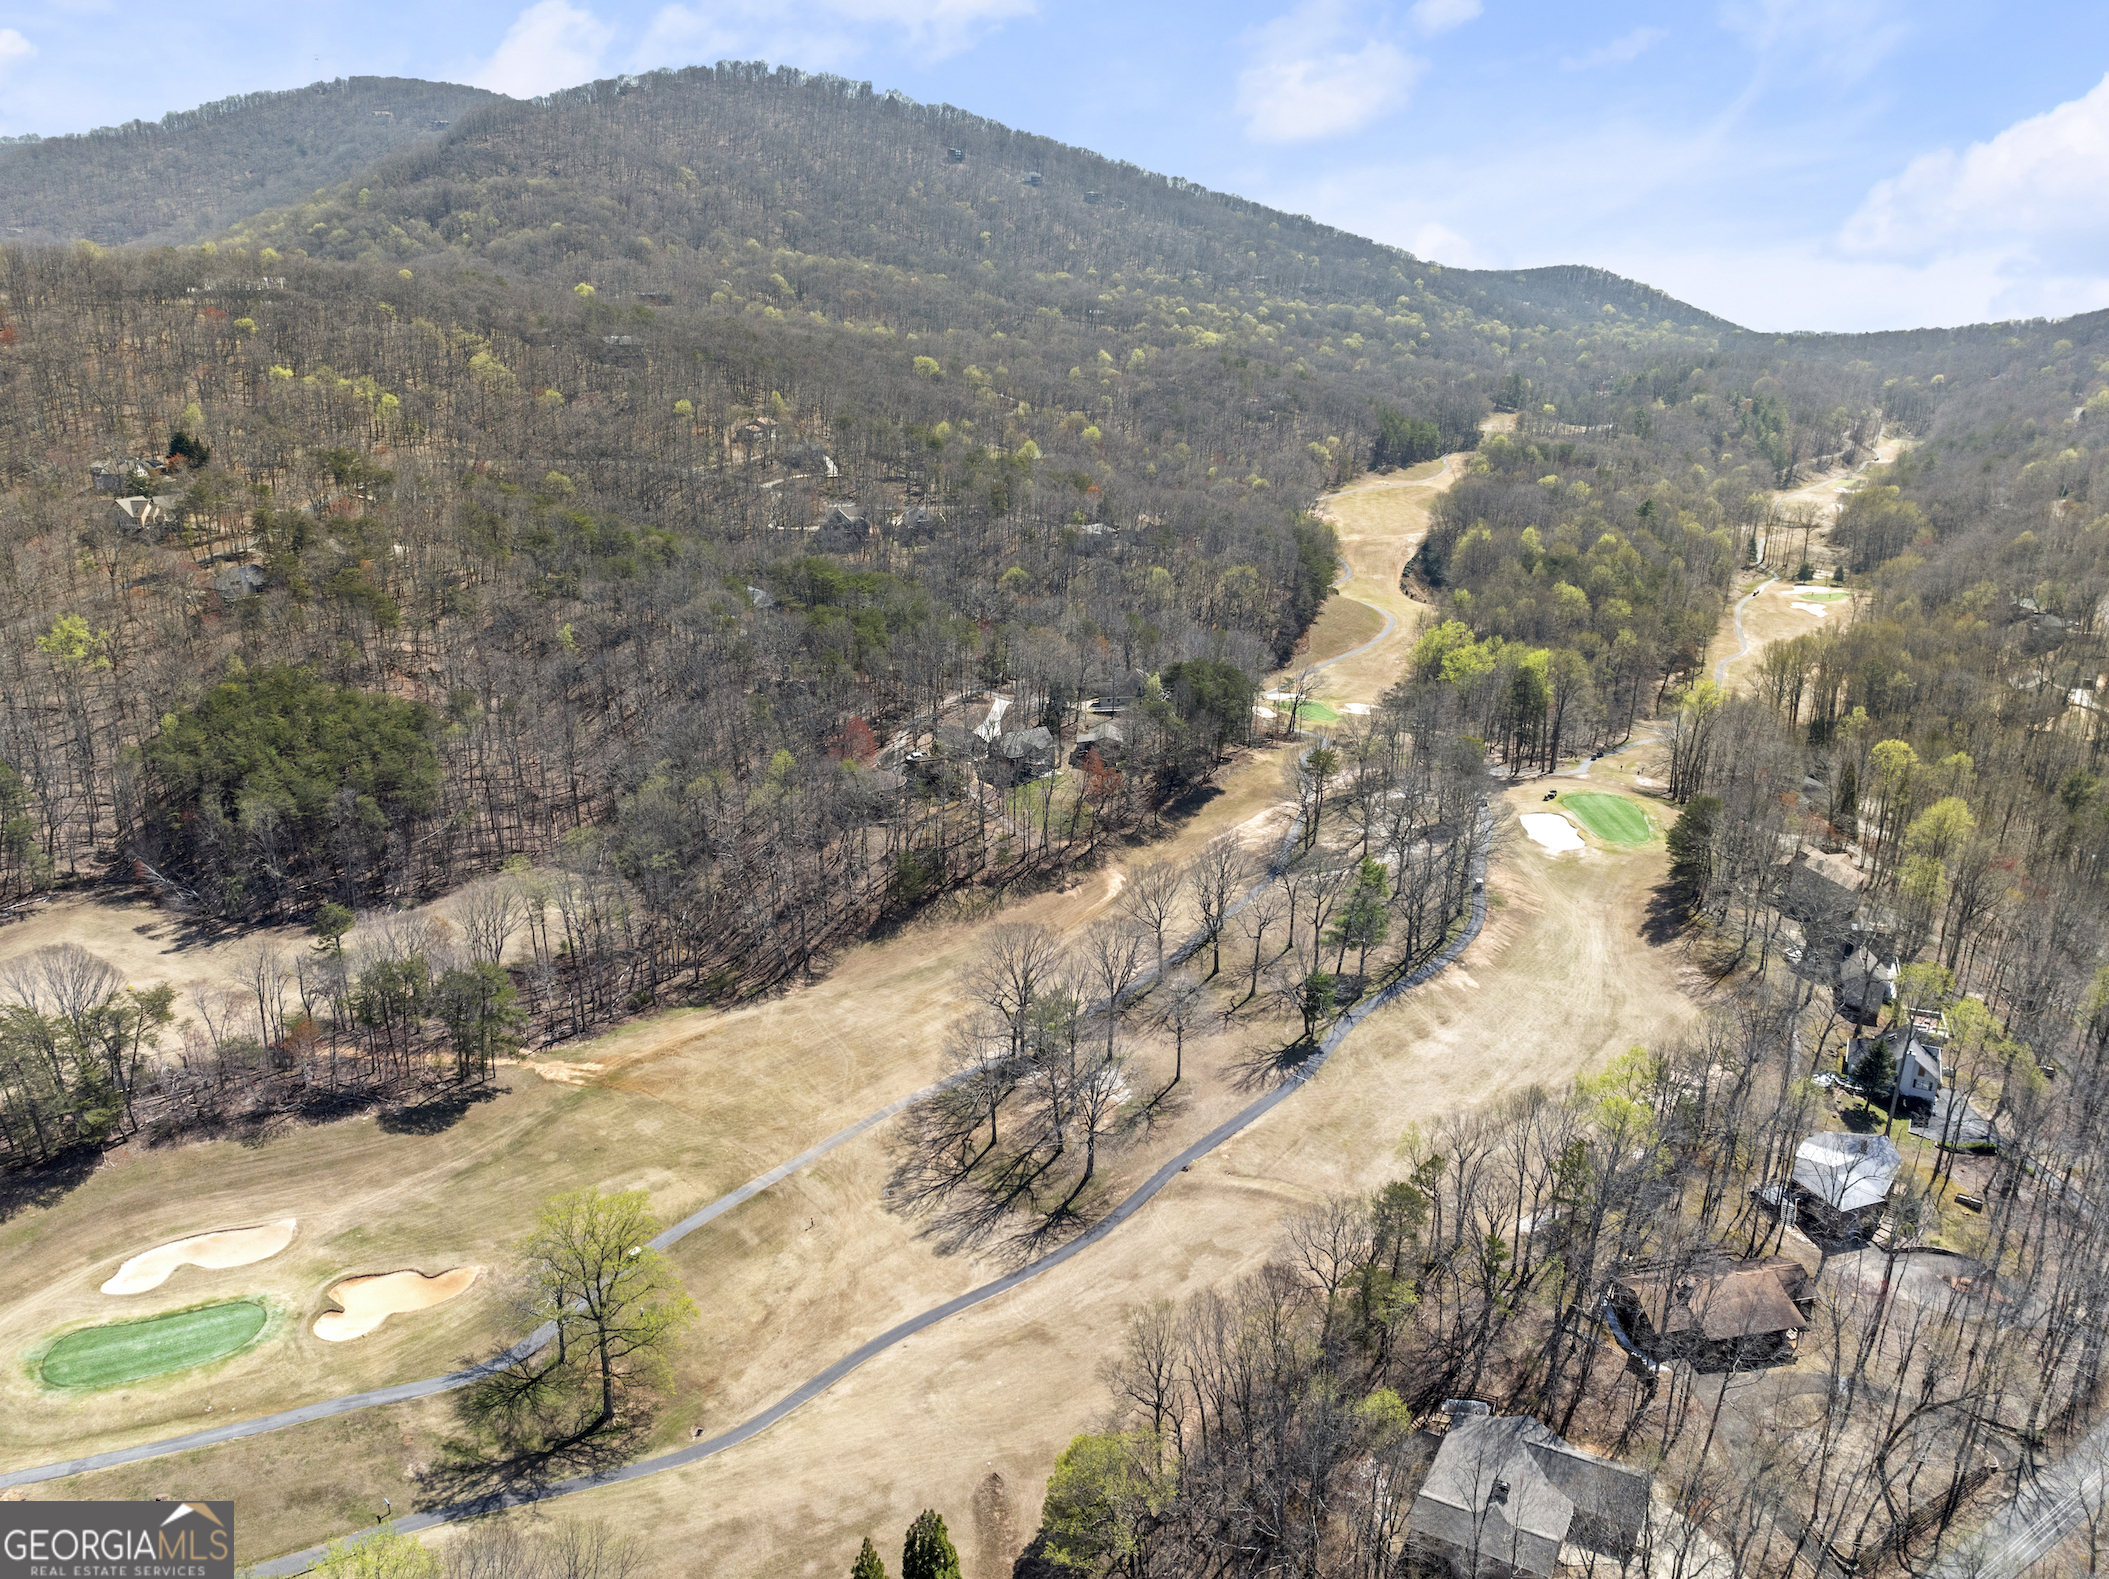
[(1819, 164)]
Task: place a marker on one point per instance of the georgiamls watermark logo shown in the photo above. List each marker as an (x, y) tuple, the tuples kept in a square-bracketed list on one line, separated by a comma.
[(116, 1540)]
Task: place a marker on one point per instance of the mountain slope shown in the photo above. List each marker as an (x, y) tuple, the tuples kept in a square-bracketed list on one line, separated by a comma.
[(194, 172)]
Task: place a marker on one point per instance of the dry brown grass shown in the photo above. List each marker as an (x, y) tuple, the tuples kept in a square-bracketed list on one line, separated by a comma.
[(1560, 979), (966, 1417), (1771, 617)]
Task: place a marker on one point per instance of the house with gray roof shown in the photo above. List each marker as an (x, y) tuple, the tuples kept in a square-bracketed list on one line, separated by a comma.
[(1841, 1182), (1021, 754), (1504, 1495), (1106, 741)]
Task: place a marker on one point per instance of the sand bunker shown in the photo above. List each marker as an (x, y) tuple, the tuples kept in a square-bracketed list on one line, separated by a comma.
[(369, 1301), (1816, 609), (1555, 833), (228, 1247)]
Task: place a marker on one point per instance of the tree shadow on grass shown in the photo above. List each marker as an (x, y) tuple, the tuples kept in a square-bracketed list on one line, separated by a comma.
[(506, 1451), (1192, 803), (47, 1183), (436, 1115), (1014, 1204), (1262, 1068), (1667, 918)]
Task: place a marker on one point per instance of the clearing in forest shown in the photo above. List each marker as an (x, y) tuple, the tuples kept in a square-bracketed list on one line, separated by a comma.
[(1612, 818), (129, 1351)]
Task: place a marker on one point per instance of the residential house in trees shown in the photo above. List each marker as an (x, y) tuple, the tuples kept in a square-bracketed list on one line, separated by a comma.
[(1841, 1182), (1824, 889), (1915, 1053), (1715, 1313), (1104, 741), (142, 516), (1504, 1495), (1866, 982), (1020, 755)]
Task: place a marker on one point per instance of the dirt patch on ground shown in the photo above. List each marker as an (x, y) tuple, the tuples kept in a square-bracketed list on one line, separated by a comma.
[(369, 1301), (216, 1251)]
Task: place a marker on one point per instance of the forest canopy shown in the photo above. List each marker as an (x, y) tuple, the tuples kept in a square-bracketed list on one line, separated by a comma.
[(291, 767)]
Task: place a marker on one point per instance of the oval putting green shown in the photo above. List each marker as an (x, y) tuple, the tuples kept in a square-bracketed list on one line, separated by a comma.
[(1612, 818), (130, 1351)]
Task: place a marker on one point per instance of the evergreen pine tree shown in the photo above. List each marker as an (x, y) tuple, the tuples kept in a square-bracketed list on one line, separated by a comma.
[(868, 1565), (1691, 843), (928, 1553)]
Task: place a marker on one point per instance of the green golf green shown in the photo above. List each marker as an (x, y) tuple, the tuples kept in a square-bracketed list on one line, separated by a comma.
[(127, 1351), (1612, 818), (1315, 713)]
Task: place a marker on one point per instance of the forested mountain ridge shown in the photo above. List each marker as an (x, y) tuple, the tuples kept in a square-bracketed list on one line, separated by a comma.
[(193, 172)]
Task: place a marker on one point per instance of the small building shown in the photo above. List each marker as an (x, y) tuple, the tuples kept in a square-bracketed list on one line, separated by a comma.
[(1716, 1313), (1915, 1054), (123, 476), (1022, 754), (990, 729), (143, 515), (956, 155), (240, 581), (1032, 178), (1504, 1495), (916, 521), (842, 529), (1823, 888), (1866, 982), (1106, 742), (1841, 1182)]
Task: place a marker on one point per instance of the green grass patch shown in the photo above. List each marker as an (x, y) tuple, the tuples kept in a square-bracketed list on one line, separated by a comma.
[(1612, 818), (129, 1351), (1310, 713), (1820, 597)]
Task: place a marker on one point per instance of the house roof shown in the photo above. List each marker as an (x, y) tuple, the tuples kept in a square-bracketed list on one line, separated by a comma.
[(1504, 1483), (1728, 1300), (1847, 1172), (992, 726), (1838, 870), (1109, 733), (1025, 742)]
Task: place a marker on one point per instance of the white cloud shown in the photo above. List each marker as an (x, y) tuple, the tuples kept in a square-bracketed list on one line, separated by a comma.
[(1307, 81), (2036, 188), (1439, 16), (1618, 52), (1438, 243), (14, 47), (1324, 94), (550, 45), (1802, 284), (1841, 39)]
